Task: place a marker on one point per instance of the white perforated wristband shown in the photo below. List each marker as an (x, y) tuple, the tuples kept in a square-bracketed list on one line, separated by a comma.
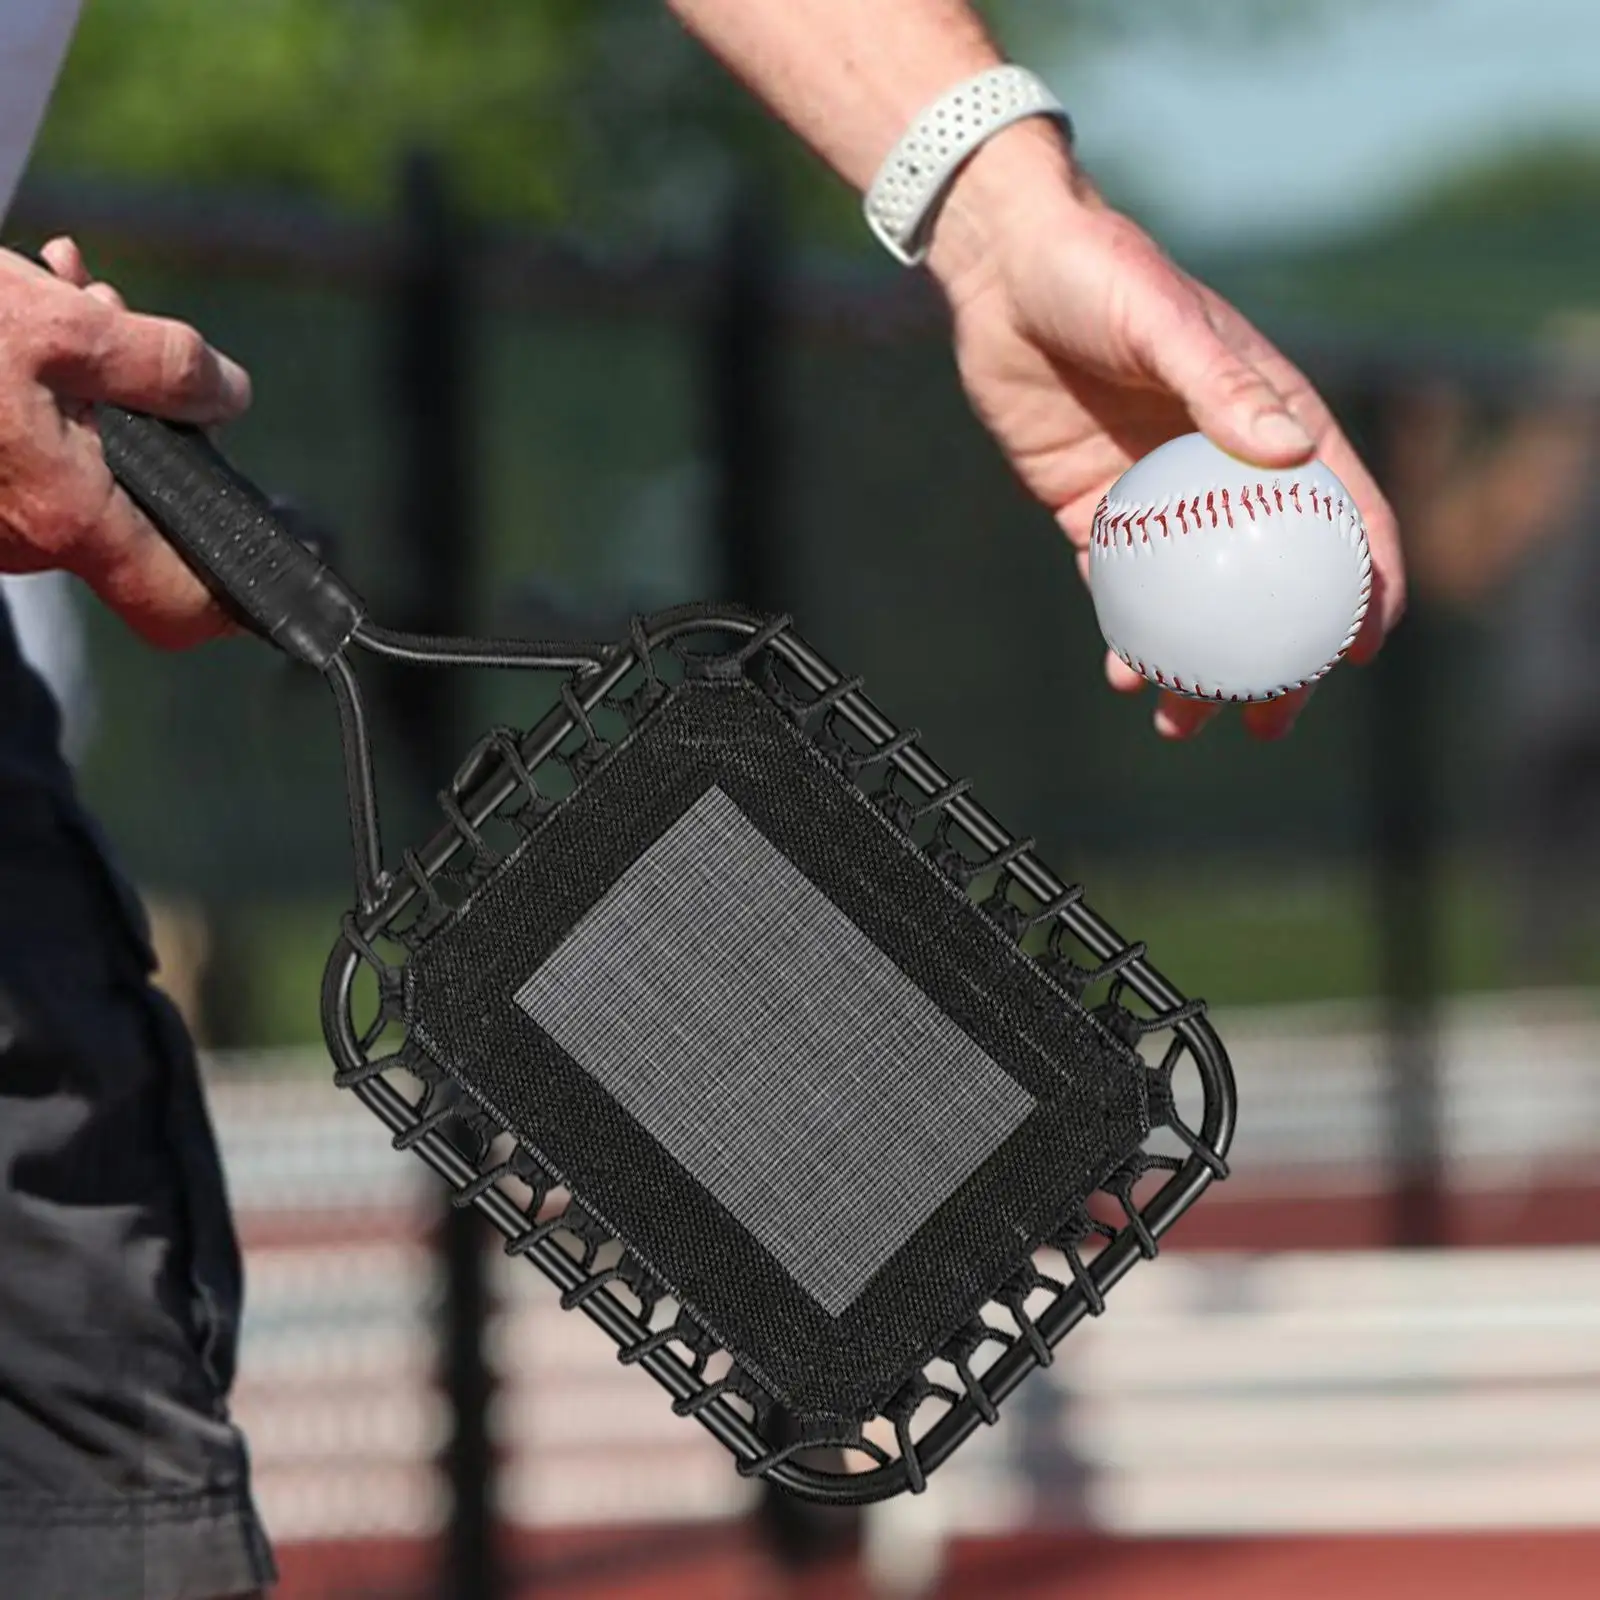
[(904, 198)]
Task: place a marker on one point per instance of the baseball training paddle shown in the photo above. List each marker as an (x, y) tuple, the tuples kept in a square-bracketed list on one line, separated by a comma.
[(801, 1077)]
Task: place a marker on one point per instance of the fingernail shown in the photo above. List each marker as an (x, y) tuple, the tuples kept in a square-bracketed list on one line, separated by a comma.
[(1277, 430), (235, 381)]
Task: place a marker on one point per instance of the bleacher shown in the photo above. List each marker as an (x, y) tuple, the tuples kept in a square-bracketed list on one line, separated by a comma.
[(1276, 1391)]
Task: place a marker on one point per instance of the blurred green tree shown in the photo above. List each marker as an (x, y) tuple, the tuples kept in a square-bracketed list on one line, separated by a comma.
[(1494, 250), (595, 114), (1558, 177), (589, 113), (317, 96)]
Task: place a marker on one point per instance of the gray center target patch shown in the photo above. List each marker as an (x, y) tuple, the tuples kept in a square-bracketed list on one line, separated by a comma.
[(776, 1053)]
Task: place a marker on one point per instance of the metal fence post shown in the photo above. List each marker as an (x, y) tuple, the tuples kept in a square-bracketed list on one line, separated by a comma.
[(742, 378), (1406, 904), (743, 394), (431, 386)]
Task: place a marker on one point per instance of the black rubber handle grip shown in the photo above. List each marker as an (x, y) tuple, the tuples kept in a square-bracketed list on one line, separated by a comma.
[(228, 533)]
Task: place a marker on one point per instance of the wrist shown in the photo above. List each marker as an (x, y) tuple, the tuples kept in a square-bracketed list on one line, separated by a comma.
[(1022, 178)]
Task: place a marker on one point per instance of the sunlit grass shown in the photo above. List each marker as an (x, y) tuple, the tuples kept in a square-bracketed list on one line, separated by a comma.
[(1237, 935)]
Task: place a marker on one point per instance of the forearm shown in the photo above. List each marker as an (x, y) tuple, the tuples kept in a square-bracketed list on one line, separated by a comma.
[(848, 76)]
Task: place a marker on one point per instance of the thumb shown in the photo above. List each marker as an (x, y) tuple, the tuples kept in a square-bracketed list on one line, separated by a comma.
[(1231, 401)]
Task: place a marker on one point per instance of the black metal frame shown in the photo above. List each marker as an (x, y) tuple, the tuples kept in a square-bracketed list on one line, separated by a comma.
[(488, 1172)]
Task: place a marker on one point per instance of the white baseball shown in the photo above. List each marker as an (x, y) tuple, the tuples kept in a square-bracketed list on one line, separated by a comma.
[(1223, 581)]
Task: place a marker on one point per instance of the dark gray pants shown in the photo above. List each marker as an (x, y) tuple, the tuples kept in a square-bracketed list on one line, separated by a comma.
[(121, 1475)]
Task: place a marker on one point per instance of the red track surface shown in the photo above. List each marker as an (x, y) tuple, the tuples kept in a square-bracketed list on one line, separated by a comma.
[(1230, 1217), (1550, 1213), (727, 1564)]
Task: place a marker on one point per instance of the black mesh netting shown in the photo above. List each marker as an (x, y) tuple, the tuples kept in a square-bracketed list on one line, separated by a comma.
[(803, 1078)]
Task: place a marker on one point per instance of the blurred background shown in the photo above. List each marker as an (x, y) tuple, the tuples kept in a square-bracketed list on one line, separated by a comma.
[(549, 323)]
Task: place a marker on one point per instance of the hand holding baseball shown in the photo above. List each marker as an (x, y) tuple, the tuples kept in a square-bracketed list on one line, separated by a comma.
[(1084, 348)]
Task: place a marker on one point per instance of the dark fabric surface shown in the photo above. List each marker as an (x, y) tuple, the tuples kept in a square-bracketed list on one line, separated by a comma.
[(121, 1474), (1089, 1089)]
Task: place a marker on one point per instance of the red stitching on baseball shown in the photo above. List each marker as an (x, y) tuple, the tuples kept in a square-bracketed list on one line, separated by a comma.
[(1124, 521), (1109, 525)]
